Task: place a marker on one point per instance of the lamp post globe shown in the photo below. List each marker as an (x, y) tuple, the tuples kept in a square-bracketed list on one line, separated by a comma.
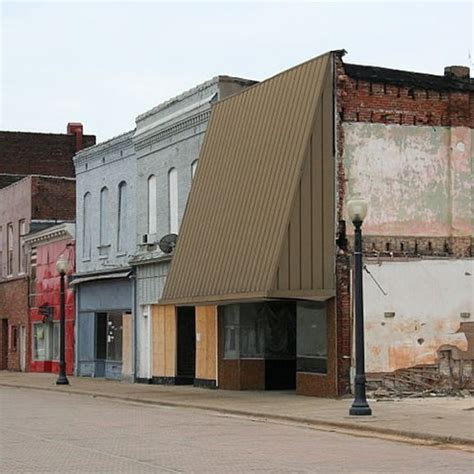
[(62, 266), (357, 210)]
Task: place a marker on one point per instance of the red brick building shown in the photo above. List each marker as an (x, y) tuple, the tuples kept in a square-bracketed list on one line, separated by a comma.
[(37, 190), (47, 154), (43, 249)]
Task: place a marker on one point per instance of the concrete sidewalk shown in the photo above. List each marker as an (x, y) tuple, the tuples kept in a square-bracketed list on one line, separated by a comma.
[(425, 420)]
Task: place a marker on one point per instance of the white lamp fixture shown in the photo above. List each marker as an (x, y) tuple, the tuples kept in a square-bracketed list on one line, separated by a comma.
[(357, 209), (62, 265)]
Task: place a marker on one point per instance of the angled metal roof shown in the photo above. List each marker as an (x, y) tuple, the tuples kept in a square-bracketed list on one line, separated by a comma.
[(245, 188)]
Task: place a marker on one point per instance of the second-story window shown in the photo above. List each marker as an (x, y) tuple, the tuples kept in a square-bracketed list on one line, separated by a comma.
[(122, 216), (21, 246), (152, 204), (193, 168), (10, 249), (86, 227), (1, 251), (103, 227), (173, 200)]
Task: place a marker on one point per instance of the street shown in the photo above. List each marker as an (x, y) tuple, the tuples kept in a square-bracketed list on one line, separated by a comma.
[(54, 432)]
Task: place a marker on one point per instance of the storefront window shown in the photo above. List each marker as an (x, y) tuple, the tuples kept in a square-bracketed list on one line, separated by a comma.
[(259, 330), (46, 341), (231, 331), (311, 346), (114, 337)]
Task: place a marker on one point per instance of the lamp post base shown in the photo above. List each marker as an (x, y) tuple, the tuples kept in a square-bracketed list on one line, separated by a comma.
[(360, 410), (62, 380)]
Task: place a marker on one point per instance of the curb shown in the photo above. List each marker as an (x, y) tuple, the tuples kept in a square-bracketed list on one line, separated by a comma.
[(339, 426)]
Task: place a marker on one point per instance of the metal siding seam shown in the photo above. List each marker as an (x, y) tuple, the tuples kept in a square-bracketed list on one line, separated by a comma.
[(283, 174), (291, 190), (236, 217), (251, 234)]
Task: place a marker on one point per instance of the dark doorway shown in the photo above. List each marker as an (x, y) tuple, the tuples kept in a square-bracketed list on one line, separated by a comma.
[(186, 342), (4, 344)]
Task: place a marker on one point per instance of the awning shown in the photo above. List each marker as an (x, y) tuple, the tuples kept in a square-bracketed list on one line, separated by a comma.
[(259, 221), (76, 280)]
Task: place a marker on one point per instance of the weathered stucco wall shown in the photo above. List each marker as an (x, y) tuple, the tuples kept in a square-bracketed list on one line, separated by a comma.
[(417, 179), (427, 298)]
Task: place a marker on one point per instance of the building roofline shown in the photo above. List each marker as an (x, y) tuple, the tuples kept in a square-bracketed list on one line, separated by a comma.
[(407, 78), (190, 92), (105, 145), (43, 133)]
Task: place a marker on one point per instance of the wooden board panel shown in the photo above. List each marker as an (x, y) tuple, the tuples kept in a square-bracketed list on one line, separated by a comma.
[(164, 341), (126, 344), (206, 342)]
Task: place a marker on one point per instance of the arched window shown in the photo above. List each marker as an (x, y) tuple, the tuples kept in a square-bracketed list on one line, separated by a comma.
[(103, 229), (86, 226), (152, 204), (193, 168), (173, 199), (122, 216)]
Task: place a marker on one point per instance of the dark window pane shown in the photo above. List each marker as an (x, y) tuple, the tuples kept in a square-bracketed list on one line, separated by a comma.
[(312, 337), (231, 331), (114, 337), (101, 336)]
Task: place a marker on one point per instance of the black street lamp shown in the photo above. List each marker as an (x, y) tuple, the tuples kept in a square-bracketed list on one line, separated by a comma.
[(62, 265), (357, 209)]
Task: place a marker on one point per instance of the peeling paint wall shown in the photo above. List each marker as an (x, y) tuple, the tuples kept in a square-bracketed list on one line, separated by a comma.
[(427, 298), (417, 179)]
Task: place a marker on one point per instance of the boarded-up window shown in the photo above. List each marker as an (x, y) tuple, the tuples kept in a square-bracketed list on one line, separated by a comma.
[(21, 246), (152, 204), (1, 251), (10, 249), (122, 216), (103, 231), (193, 168), (86, 227), (173, 200)]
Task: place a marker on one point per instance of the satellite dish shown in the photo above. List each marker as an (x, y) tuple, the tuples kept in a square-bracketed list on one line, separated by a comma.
[(168, 243)]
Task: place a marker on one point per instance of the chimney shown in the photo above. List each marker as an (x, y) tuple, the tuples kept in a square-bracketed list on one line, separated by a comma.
[(457, 72), (75, 128)]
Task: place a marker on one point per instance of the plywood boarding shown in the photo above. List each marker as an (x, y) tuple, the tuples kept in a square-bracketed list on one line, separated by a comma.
[(126, 344), (164, 340), (206, 342), (238, 213), (307, 258)]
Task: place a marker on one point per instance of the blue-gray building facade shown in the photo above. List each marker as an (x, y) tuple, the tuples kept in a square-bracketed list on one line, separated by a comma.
[(105, 229)]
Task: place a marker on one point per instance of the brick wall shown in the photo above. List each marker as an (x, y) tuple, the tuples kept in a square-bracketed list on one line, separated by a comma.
[(39, 153), (14, 307), (53, 198), (380, 96)]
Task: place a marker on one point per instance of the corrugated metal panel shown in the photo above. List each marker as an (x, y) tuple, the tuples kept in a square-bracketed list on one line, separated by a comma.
[(240, 205), (307, 258), (150, 282)]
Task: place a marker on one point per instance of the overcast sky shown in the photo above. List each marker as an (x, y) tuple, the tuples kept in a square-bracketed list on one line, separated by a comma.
[(103, 63)]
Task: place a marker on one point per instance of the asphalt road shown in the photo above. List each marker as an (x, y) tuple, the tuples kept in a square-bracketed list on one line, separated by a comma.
[(54, 432)]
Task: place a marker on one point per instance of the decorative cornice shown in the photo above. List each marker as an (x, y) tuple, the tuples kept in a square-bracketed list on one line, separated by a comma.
[(60, 232), (174, 129), (98, 151)]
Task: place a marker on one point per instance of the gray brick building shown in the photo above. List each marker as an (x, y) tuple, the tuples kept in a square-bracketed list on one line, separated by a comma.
[(105, 232)]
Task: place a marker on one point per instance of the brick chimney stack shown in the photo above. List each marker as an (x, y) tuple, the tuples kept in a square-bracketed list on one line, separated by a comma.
[(457, 72), (76, 128)]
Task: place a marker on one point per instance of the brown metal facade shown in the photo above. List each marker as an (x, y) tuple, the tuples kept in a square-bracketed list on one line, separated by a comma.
[(259, 221)]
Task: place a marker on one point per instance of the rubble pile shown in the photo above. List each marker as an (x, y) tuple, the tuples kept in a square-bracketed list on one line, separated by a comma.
[(417, 382)]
